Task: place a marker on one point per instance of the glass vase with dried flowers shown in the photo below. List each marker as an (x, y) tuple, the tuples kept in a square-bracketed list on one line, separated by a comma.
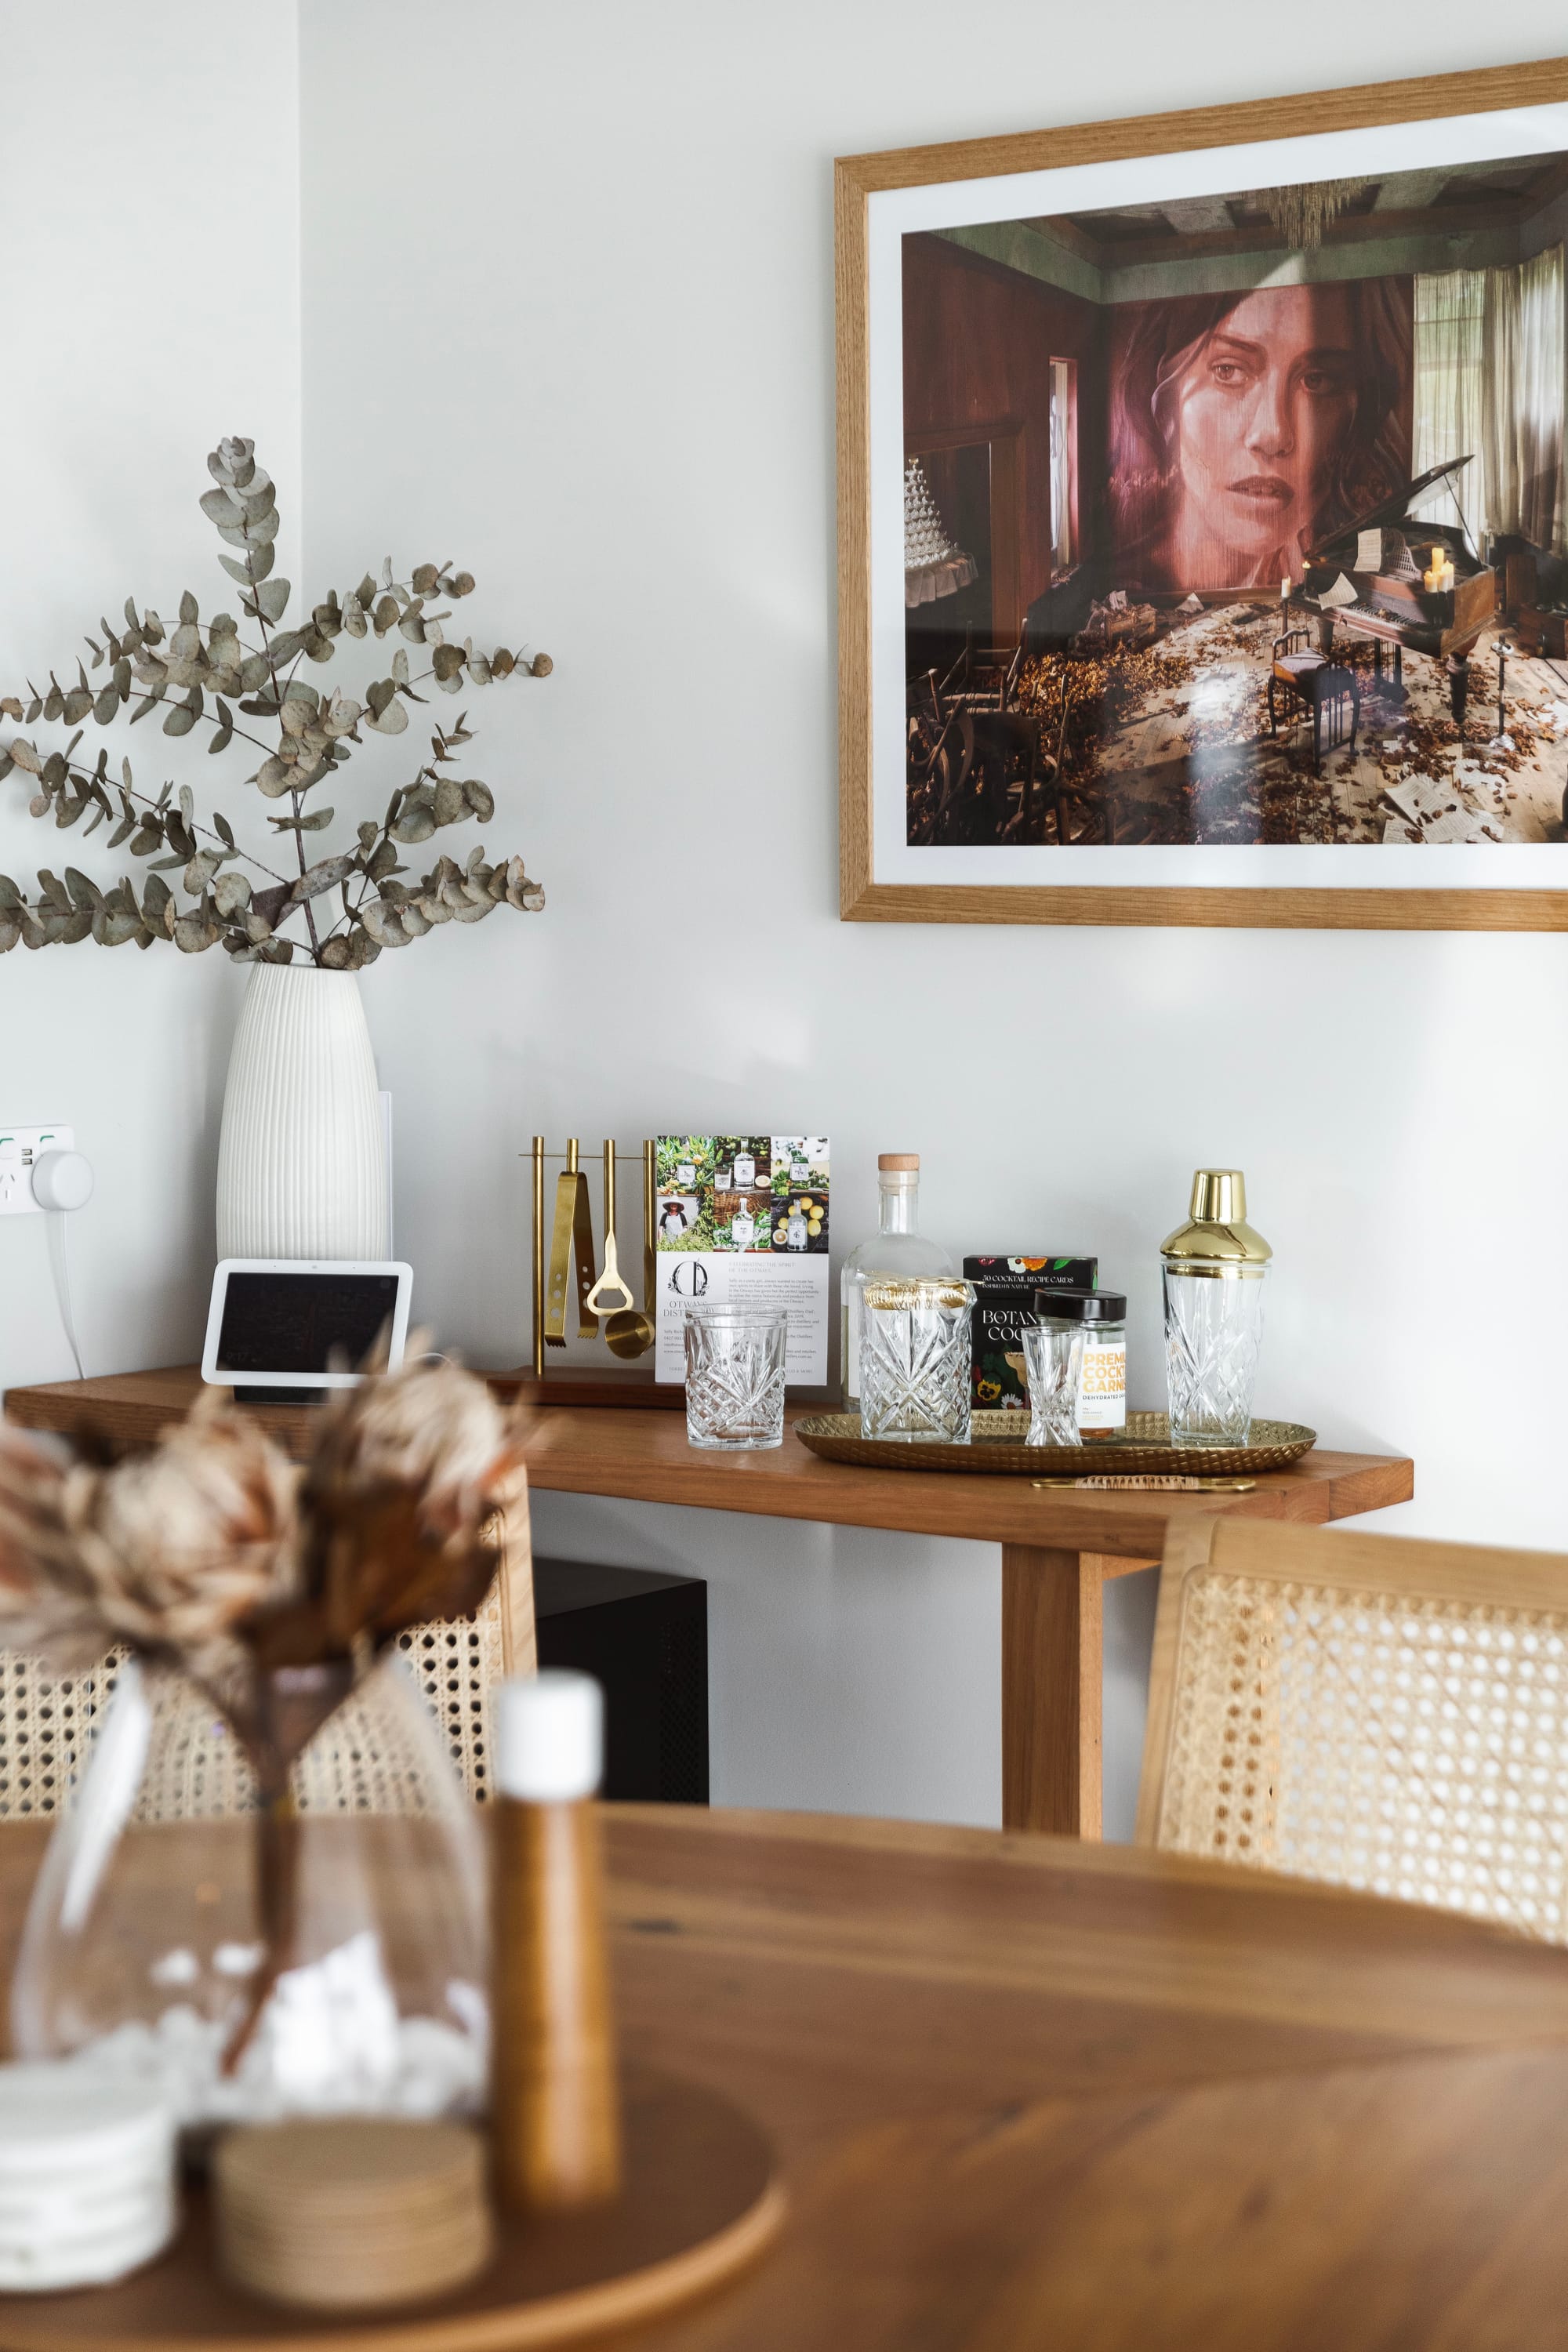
[(327, 1952)]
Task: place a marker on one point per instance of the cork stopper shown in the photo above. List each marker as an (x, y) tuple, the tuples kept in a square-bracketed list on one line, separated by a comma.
[(548, 1737), (904, 1163)]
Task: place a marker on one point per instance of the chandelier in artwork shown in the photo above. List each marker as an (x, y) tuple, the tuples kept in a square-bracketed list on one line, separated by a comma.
[(1302, 213), (934, 563)]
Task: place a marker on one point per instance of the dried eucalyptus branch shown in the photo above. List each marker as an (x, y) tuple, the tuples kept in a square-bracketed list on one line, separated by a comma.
[(200, 676)]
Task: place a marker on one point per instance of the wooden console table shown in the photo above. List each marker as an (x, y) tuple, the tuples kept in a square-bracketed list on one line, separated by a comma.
[(1058, 1545)]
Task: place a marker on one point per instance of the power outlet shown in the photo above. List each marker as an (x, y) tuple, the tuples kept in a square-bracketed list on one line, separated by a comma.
[(19, 1147)]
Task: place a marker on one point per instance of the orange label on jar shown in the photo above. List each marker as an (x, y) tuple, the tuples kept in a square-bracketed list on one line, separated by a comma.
[(1102, 1386)]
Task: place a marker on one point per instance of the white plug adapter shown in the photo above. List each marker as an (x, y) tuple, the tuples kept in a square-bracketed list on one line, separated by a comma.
[(21, 1151)]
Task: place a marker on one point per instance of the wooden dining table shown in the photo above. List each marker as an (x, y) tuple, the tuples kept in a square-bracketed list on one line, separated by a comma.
[(1027, 2091), (1059, 1546)]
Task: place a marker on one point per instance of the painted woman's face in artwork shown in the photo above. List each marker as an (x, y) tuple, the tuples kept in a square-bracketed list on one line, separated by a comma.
[(1263, 409)]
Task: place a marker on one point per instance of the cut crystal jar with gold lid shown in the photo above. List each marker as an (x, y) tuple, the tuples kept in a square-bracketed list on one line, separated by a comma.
[(915, 1358), (1214, 1270)]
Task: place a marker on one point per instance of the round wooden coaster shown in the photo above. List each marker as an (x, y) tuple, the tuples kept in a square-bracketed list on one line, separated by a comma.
[(348, 2214), (701, 2199)]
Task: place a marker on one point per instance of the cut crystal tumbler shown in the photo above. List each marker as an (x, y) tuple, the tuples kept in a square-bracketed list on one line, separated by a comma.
[(735, 1376), (1053, 1349)]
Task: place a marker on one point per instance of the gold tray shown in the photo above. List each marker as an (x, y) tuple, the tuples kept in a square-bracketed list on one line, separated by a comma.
[(1143, 1450)]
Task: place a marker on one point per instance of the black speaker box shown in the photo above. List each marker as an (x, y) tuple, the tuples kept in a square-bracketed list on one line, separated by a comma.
[(644, 1636)]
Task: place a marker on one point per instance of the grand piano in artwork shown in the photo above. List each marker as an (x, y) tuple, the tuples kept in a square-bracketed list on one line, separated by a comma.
[(1386, 555)]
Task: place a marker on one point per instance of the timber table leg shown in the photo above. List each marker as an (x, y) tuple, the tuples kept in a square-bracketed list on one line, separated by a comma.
[(1052, 1671)]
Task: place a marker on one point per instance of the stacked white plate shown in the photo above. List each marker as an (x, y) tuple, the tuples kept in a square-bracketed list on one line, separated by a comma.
[(87, 2177)]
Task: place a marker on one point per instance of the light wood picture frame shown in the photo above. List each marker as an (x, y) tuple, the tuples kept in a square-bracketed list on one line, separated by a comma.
[(1494, 153)]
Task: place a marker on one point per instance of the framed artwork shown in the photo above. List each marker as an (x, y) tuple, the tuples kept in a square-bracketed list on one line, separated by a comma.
[(1202, 516)]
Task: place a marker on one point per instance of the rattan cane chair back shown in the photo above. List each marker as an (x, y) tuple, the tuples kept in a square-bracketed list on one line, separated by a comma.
[(47, 1722), (1370, 1711)]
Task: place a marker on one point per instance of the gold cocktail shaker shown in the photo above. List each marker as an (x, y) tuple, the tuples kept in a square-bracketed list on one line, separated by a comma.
[(1212, 1270)]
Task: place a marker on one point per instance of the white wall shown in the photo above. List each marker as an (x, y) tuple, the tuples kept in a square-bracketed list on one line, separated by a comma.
[(567, 316), (149, 244)]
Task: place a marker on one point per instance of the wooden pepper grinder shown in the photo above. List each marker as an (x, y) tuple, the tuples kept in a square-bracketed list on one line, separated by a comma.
[(555, 2106)]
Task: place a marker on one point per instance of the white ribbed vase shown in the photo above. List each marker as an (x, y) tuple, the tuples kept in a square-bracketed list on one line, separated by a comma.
[(301, 1164)]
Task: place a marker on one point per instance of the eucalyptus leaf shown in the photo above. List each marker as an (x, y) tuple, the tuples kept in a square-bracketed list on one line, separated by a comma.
[(385, 925), (324, 876), (194, 934), (223, 507)]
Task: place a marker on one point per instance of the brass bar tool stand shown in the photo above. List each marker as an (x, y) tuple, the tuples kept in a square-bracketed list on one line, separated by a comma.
[(627, 1329)]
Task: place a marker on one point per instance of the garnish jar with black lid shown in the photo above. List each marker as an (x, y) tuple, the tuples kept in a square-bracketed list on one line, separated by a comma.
[(1101, 1316)]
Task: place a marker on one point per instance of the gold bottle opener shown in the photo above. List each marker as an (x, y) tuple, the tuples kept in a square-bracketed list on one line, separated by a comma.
[(600, 1298)]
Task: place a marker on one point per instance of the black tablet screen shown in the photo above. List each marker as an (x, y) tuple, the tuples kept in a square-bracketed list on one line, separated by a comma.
[(293, 1322)]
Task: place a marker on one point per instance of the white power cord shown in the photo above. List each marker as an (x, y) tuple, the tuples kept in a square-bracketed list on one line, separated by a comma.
[(58, 1224)]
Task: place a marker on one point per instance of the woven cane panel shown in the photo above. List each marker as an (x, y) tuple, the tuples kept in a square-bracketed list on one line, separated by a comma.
[(1408, 1747), (194, 1769), (458, 1661), (46, 1724)]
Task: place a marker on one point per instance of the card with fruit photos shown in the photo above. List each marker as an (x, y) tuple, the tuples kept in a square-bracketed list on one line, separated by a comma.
[(743, 1217)]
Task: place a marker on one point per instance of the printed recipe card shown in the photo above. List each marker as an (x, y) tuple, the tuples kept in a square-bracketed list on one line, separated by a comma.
[(742, 1218)]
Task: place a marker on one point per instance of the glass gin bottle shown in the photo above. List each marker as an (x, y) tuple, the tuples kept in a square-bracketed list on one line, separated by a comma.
[(897, 1247)]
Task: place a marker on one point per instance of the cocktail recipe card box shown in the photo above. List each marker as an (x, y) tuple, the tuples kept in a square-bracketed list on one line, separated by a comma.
[(742, 1219)]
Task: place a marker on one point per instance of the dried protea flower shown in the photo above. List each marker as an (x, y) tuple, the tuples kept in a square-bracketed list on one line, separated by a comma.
[(405, 1475), (48, 1607), (192, 1541)]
